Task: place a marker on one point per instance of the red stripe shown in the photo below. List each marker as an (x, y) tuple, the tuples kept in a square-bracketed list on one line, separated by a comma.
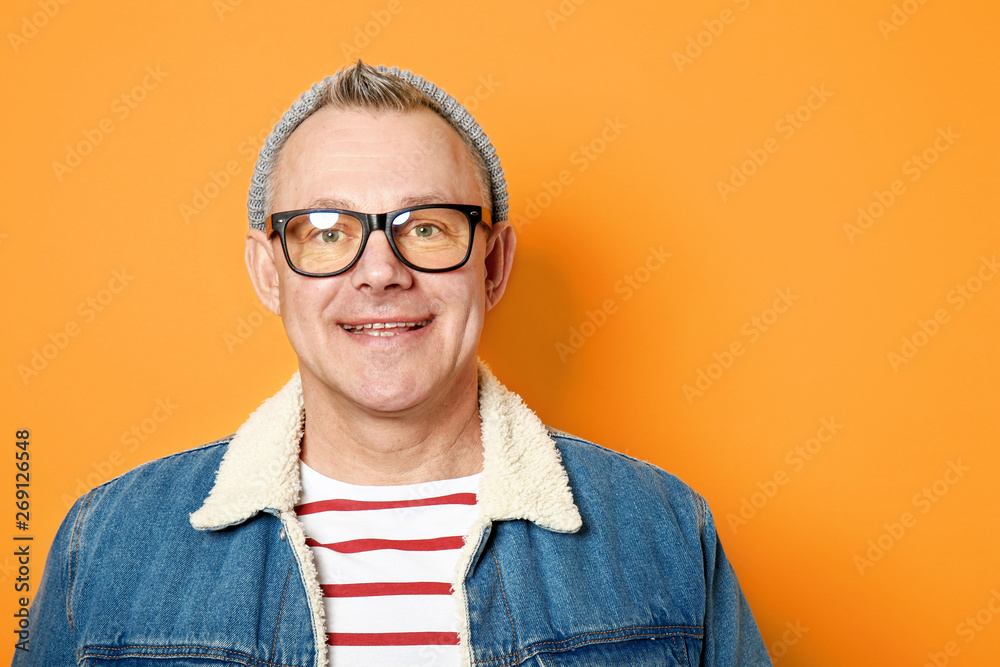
[(373, 544), (392, 638), (386, 588), (344, 505)]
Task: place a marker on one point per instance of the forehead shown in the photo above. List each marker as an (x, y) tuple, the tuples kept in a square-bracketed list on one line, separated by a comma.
[(374, 161)]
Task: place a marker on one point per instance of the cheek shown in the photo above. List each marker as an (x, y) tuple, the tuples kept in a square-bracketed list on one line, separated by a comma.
[(472, 295), (469, 288), (302, 307)]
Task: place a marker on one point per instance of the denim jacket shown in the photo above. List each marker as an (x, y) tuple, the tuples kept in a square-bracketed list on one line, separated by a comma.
[(580, 557)]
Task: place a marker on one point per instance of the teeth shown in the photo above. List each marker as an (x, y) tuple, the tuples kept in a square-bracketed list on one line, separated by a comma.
[(382, 328)]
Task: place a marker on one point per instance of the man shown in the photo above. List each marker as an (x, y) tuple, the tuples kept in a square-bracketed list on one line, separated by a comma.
[(394, 504)]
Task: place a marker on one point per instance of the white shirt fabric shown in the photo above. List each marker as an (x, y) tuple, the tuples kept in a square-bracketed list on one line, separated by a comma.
[(386, 557)]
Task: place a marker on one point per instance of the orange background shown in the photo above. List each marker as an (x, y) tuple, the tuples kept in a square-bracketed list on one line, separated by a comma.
[(616, 128)]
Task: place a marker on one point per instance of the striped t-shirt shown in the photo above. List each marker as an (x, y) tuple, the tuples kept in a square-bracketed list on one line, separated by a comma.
[(386, 557)]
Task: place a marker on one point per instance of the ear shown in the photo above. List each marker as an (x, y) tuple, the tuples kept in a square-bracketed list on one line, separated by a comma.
[(499, 258), (263, 271)]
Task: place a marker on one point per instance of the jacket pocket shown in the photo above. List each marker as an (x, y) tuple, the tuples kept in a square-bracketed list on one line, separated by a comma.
[(665, 652), (170, 656), (130, 661)]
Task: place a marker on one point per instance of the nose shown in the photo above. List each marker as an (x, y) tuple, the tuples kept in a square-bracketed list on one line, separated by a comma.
[(378, 268)]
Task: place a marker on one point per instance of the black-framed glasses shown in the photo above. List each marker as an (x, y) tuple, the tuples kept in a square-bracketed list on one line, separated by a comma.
[(322, 242)]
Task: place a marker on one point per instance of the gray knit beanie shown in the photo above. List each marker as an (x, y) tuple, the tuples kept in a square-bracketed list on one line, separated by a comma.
[(309, 102)]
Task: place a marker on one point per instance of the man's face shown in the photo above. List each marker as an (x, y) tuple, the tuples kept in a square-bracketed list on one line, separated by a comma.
[(377, 163)]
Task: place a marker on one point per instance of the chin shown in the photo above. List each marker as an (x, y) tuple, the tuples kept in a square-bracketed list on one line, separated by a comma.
[(390, 399)]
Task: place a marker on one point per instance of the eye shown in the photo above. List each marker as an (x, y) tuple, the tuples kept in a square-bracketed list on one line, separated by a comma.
[(424, 231), (331, 235)]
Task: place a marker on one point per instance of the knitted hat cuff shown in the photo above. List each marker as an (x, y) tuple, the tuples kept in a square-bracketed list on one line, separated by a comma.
[(310, 102)]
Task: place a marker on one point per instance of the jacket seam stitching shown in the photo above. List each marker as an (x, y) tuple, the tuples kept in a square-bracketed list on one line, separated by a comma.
[(484, 530), (73, 549), (320, 636), (527, 650), (517, 656), (681, 646), (281, 608), (702, 519), (587, 443), (560, 437), (194, 450), (118, 652), (503, 591)]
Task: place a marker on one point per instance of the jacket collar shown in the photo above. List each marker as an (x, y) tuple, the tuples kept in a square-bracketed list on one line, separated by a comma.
[(523, 476)]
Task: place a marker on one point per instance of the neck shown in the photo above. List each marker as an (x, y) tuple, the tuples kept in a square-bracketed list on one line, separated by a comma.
[(439, 439)]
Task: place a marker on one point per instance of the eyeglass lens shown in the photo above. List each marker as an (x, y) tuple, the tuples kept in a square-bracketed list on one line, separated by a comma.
[(328, 241)]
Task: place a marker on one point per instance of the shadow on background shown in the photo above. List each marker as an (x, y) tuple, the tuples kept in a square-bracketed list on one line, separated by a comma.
[(519, 339)]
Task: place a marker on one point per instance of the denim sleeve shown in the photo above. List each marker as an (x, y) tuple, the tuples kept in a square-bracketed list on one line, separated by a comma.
[(51, 640), (731, 634)]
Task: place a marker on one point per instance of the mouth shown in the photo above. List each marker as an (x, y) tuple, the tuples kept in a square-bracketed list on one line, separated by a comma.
[(383, 329)]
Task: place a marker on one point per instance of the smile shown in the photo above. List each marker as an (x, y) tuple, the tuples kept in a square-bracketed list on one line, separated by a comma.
[(384, 329)]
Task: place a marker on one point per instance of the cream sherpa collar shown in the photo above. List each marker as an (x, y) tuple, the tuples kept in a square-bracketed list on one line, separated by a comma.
[(523, 476)]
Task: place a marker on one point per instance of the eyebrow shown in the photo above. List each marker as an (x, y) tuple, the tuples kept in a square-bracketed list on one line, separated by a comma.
[(413, 200)]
